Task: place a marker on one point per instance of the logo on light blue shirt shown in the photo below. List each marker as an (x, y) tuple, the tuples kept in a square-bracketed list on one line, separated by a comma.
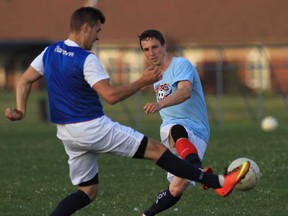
[(163, 91)]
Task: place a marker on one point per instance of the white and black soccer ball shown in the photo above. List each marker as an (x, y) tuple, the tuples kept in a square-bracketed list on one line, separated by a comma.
[(161, 94), (251, 179)]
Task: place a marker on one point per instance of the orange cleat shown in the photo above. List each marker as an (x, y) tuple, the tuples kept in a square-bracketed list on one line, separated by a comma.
[(232, 178)]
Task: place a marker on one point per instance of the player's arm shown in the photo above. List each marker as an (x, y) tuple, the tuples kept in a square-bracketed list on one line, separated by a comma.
[(23, 90), (183, 93), (115, 94)]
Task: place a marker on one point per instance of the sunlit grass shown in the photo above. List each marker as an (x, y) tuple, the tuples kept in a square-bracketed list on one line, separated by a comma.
[(34, 169)]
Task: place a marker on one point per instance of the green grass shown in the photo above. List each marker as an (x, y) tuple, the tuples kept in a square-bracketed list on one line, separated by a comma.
[(34, 169)]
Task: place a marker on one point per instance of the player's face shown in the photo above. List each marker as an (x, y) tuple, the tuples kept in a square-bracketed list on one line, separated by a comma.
[(92, 35), (153, 51)]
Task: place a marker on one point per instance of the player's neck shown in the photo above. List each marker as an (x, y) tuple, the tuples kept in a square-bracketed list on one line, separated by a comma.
[(76, 38), (166, 62)]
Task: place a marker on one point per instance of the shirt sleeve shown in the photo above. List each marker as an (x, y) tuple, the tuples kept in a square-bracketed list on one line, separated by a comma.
[(37, 63), (184, 70), (94, 70)]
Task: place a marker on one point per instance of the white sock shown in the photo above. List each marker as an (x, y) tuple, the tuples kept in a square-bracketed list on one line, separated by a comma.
[(221, 180)]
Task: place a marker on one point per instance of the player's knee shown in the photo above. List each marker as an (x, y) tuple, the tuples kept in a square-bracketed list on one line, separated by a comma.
[(91, 191), (90, 187), (177, 132), (92, 196), (154, 150), (177, 189)]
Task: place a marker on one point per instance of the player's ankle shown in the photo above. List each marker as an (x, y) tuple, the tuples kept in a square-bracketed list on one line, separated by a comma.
[(221, 180)]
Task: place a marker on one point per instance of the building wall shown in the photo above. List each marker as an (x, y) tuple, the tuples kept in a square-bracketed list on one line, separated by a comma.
[(228, 68), (251, 68)]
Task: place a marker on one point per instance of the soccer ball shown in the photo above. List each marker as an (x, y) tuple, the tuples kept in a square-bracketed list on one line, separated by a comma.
[(269, 124), (252, 177), (161, 94)]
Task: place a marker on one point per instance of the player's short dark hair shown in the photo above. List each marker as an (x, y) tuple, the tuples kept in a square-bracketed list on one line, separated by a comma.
[(84, 15), (151, 33)]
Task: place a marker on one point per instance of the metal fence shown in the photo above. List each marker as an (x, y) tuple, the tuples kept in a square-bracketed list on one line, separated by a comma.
[(241, 82), (255, 75)]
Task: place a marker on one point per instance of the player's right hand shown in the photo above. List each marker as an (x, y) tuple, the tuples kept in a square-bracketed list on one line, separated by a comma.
[(14, 114)]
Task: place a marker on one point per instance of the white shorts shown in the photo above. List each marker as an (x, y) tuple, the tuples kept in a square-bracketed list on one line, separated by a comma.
[(200, 145), (84, 141)]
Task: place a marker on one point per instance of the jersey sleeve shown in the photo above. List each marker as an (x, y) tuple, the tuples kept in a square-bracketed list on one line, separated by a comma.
[(37, 63), (94, 70), (184, 71)]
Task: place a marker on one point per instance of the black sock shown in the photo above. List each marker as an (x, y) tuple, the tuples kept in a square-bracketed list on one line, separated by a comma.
[(164, 201), (183, 169), (194, 160), (71, 204)]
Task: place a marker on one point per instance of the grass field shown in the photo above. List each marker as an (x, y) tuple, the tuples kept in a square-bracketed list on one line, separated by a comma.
[(34, 170)]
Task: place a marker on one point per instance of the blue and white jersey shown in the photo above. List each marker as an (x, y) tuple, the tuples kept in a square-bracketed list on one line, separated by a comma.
[(191, 113), (70, 73)]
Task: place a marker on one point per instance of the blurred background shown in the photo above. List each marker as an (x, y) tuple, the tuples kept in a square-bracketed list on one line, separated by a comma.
[(240, 49)]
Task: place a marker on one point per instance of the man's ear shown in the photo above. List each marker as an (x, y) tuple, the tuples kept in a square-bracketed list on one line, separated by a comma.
[(85, 27), (165, 46)]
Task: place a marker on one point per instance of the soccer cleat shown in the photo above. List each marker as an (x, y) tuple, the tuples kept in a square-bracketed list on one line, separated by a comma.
[(210, 171), (232, 178)]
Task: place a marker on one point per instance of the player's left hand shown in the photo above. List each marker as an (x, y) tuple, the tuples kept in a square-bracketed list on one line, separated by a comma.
[(151, 108), (151, 74), (14, 114)]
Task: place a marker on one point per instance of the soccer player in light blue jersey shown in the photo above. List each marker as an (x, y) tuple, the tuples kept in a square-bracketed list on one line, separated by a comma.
[(181, 104), (75, 80)]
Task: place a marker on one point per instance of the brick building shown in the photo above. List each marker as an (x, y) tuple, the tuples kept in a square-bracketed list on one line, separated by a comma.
[(243, 39)]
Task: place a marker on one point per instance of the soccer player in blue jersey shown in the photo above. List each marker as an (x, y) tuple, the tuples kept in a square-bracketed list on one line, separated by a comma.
[(75, 79), (181, 104)]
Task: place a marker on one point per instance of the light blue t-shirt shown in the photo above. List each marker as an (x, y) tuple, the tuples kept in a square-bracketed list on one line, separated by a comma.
[(191, 113)]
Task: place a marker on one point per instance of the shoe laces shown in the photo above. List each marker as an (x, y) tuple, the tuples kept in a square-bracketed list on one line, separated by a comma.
[(236, 169)]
